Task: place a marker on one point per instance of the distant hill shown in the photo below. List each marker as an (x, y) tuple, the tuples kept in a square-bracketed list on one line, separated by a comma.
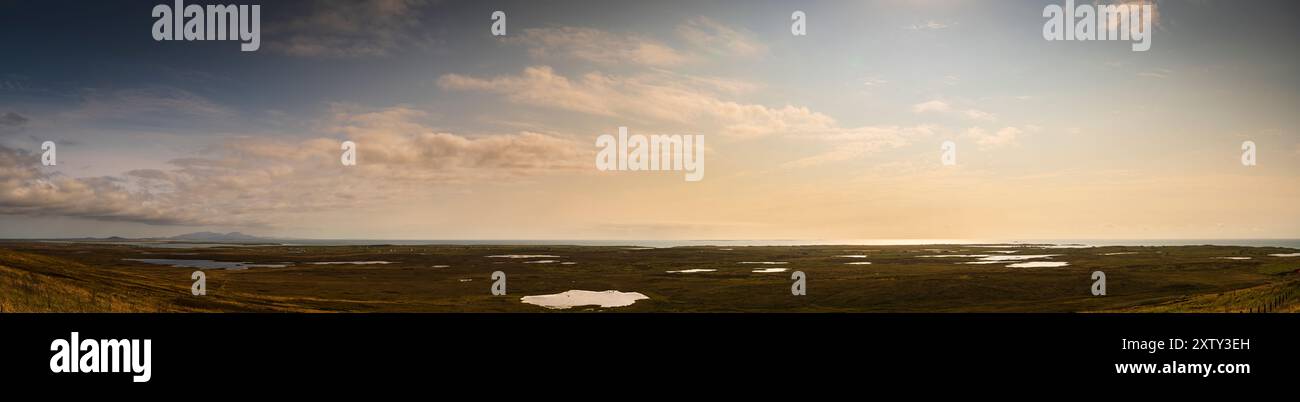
[(218, 237)]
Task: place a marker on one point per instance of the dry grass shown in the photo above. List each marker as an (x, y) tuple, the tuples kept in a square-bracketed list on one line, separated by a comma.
[(1271, 298), (33, 283)]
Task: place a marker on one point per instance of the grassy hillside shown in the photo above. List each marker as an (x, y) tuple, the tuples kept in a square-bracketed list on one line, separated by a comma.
[(37, 283), (1281, 297)]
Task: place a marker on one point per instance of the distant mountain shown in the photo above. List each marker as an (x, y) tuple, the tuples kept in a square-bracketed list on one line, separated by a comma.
[(218, 237)]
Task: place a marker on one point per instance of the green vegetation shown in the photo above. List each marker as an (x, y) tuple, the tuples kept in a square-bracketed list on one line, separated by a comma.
[(97, 277)]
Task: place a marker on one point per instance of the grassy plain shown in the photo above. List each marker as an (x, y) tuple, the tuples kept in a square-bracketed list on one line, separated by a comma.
[(97, 277)]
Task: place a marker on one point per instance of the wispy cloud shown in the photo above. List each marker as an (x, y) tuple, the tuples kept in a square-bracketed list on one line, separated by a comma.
[(145, 105), (11, 122), (670, 101), (930, 25), (874, 82), (27, 189), (254, 180), (1160, 73), (979, 115), (715, 37), (989, 140), (943, 107), (597, 46), (705, 37), (931, 106), (850, 144), (345, 29), (648, 97)]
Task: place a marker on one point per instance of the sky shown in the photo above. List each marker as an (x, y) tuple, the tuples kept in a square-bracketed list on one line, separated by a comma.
[(835, 134)]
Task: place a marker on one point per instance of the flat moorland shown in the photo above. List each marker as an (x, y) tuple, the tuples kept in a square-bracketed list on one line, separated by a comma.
[(105, 277)]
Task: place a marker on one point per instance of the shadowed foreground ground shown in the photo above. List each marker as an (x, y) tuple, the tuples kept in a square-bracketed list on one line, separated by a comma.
[(96, 277)]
